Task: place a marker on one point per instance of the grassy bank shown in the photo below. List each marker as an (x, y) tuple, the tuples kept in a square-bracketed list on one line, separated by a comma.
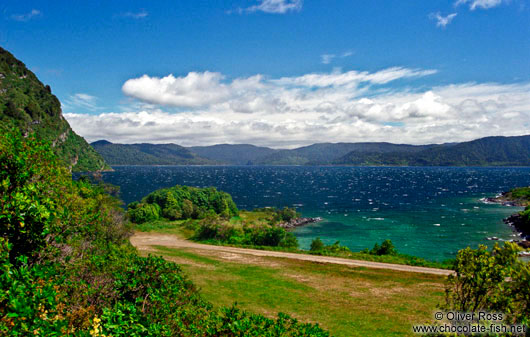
[(347, 301), (187, 229)]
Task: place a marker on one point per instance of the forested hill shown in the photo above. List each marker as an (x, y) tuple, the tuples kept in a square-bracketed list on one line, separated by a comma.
[(148, 154), (27, 104), (489, 151), (236, 154), (326, 153)]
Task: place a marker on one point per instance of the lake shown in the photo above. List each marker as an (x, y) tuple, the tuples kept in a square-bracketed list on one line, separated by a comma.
[(430, 212)]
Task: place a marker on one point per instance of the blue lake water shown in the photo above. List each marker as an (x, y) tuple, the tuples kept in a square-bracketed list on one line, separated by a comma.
[(427, 212)]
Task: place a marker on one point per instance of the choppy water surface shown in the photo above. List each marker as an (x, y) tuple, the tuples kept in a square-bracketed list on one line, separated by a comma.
[(428, 212)]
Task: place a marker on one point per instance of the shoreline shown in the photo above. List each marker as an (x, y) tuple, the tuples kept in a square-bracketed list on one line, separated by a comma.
[(515, 221)]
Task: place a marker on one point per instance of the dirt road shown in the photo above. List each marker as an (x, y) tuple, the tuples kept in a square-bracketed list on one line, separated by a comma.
[(144, 241)]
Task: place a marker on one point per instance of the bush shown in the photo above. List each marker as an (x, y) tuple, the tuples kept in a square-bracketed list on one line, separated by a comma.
[(184, 202), (144, 212), (386, 248), (287, 214), (31, 182), (495, 281), (213, 228), (317, 245)]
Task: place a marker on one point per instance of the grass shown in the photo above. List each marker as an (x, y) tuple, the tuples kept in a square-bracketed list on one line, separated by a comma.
[(347, 301)]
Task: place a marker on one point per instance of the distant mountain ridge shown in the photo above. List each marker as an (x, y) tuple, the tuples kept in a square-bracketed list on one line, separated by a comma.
[(327, 153), (489, 151), (27, 104), (148, 154), (235, 154)]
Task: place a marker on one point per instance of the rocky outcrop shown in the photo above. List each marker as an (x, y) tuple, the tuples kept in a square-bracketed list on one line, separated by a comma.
[(299, 222), (517, 222)]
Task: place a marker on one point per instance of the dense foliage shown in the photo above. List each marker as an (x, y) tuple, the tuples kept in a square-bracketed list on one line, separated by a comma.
[(519, 196), (27, 104), (279, 215), (493, 281), (248, 234), (386, 248), (67, 267), (182, 202)]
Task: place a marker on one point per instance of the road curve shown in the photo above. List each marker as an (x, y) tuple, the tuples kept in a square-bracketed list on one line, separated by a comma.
[(144, 241)]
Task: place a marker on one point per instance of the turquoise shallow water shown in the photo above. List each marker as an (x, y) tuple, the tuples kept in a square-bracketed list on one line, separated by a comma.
[(428, 212)]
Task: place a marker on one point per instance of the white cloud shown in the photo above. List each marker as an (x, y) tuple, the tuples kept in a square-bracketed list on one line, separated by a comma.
[(327, 58), (484, 4), (195, 89), (81, 100), (352, 79), (442, 21), (321, 107), (273, 6), (136, 15), (26, 17)]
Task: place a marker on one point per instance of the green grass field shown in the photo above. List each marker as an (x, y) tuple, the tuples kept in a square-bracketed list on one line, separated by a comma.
[(347, 301)]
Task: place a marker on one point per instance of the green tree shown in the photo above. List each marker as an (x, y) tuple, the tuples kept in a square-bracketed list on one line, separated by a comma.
[(386, 248), (317, 245), (492, 281)]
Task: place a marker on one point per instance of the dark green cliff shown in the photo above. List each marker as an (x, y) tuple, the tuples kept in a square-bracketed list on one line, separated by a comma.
[(27, 104)]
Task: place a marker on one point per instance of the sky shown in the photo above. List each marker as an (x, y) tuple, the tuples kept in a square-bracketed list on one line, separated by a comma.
[(279, 73)]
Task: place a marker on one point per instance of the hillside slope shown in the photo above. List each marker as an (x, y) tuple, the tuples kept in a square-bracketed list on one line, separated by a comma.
[(238, 154), (147, 154), (489, 151), (326, 153), (27, 104)]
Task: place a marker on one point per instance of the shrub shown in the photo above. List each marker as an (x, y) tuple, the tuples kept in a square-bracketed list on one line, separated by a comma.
[(317, 245), (185, 202), (144, 213), (31, 182), (495, 281), (386, 248)]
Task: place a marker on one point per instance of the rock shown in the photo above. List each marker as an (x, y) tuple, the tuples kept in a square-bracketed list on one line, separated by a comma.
[(518, 223), (299, 222), (524, 244)]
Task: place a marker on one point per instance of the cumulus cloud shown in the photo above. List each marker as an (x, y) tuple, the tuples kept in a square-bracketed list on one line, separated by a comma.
[(484, 4), (206, 108), (27, 16), (442, 21), (273, 7), (194, 89)]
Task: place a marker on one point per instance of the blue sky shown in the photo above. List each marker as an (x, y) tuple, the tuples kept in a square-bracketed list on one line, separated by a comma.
[(280, 73)]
